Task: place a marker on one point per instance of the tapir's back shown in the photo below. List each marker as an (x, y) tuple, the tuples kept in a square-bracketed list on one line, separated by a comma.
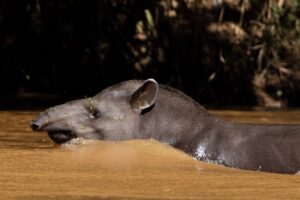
[(273, 148)]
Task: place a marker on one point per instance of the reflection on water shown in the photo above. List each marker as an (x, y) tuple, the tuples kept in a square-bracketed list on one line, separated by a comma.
[(32, 167)]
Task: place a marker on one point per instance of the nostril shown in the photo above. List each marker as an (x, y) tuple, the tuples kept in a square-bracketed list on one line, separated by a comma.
[(34, 126)]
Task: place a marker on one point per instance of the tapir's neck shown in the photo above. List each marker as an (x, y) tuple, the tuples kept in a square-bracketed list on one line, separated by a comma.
[(196, 132), (179, 121), (176, 119)]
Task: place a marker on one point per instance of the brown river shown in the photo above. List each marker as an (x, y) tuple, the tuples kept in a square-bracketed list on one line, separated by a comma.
[(32, 167)]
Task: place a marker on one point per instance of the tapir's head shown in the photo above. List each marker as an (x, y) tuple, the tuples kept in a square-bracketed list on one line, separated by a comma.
[(111, 114)]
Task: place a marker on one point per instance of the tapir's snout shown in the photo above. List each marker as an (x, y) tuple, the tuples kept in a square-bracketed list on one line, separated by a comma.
[(39, 122), (34, 125), (57, 130)]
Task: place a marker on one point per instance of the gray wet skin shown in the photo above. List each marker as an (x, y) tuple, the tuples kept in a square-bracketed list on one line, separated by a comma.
[(143, 109)]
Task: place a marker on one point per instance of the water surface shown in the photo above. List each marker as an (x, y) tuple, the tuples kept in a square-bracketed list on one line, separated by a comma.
[(32, 167)]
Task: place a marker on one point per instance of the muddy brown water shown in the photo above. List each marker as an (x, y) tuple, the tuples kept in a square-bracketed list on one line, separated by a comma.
[(32, 167)]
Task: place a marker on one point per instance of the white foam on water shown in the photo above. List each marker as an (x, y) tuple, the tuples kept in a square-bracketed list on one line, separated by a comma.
[(77, 141), (200, 152), (259, 168)]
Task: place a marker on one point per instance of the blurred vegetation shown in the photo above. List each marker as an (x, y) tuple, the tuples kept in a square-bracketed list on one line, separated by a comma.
[(226, 52)]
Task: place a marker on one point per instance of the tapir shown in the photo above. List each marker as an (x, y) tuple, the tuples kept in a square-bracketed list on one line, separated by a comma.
[(138, 109)]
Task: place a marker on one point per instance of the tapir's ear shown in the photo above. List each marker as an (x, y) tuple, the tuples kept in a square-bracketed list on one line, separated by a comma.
[(145, 96)]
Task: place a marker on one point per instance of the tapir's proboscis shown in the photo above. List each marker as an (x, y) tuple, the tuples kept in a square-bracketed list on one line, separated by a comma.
[(138, 109)]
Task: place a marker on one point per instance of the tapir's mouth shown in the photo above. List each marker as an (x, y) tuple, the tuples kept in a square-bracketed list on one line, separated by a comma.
[(61, 136)]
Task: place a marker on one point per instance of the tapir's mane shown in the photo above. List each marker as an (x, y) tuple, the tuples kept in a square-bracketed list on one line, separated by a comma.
[(165, 87), (182, 95)]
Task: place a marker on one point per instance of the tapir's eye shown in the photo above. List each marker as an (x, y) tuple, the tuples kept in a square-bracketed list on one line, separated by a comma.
[(95, 114)]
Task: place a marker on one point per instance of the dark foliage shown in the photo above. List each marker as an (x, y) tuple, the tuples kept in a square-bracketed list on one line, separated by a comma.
[(232, 53)]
